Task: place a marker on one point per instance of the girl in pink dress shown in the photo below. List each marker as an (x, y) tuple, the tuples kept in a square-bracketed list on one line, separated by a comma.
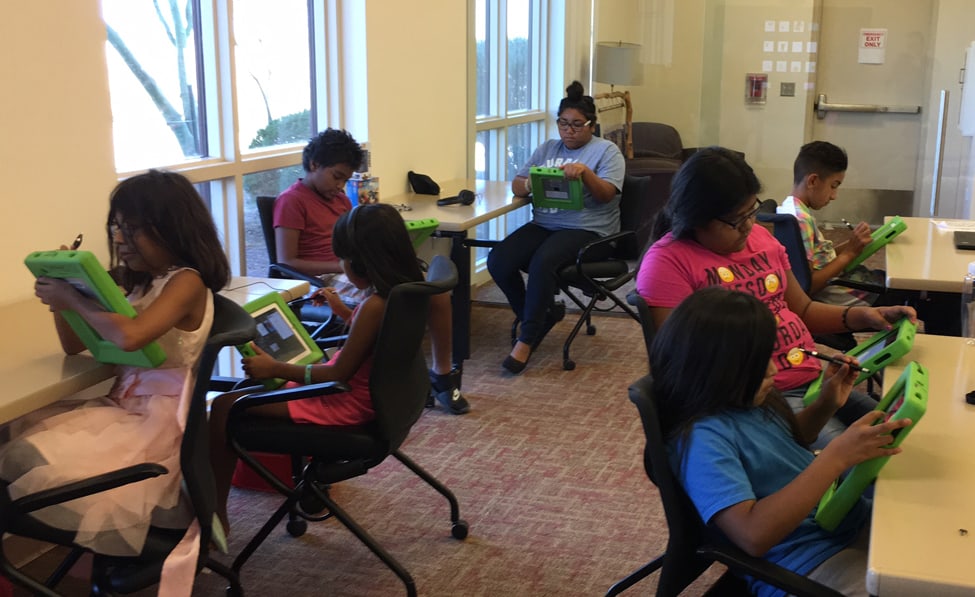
[(375, 251), (169, 261)]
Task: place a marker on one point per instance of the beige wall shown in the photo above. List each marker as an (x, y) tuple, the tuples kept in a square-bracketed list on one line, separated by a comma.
[(696, 83), (417, 76), (56, 145)]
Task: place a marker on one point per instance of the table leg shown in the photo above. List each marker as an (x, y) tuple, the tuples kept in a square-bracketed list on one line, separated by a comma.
[(460, 300)]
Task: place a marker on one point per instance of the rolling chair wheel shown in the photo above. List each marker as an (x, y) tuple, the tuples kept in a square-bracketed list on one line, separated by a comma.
[(233, 593), (297, 527), (459, 529), (590, 330), (568, 364)]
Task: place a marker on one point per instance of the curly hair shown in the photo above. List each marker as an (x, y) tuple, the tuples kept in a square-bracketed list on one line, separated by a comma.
[(331, 147)]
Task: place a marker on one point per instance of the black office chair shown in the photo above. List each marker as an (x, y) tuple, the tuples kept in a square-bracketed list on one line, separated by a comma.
[(647, 324), (317, 319), (785, 228), (598, 280), (110, 574), (399, 385), (691, 546)]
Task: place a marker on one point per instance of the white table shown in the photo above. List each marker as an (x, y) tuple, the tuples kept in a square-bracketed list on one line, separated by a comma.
[(35, 370), (924, 257), (492, 199), (243, 289), (922, 538)]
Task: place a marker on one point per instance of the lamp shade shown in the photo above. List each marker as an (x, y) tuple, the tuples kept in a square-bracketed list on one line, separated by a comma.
[(618, 63)]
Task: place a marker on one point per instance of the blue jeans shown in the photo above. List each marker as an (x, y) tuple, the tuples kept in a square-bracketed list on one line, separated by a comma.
[(540, 252), (857, 405)]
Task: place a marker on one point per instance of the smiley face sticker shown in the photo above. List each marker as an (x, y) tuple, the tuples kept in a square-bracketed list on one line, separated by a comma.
[(795, 356), (771, 282), (726, 275)]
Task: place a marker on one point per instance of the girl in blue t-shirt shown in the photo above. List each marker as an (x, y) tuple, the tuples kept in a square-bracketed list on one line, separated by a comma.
[(735, 444)]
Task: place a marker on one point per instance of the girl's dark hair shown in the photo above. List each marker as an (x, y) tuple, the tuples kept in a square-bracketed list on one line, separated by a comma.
[(712, 183), (331, 147), (711, 355), (373, 240), (167, 209), (575, 98)]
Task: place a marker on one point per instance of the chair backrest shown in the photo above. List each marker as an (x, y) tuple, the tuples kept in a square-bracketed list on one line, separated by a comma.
[(399, 382), (231, 326), (265, 211), (785, 228), (686, 529), (646, 320), (656, 139), (638, 207)]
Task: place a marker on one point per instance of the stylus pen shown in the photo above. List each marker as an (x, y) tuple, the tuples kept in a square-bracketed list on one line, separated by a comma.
[(835, 360), (847, 222), (77, 241)]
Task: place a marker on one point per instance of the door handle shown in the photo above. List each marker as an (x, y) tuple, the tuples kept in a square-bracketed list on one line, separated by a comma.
[(822, 106)]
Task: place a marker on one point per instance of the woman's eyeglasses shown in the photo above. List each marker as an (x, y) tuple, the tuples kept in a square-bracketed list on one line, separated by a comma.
[(575, 125), (749, 216)]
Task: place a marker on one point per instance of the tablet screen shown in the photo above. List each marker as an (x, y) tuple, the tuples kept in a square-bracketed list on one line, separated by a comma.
[(876, 347), (276, 337)]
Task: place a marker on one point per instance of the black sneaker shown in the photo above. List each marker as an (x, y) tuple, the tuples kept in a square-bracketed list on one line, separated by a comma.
[(446, 389)]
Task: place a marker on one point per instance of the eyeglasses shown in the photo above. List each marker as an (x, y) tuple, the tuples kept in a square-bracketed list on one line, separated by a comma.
[(127, 230), (749, 216), (575, 125)]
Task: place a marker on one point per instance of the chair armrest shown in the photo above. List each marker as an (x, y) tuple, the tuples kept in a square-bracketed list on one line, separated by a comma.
[(89, 486), (792, 583), (864, 286), (285, 395), (588, 247), (286, 271), (476, 242)]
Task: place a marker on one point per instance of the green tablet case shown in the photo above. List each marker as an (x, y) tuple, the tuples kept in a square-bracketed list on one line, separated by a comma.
[(907, 399), (550, 188), (280, 334), (82, 270), (875, 353), (881, 236), (420, 230)]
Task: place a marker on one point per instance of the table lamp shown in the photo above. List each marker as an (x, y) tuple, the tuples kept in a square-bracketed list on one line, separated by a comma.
[(618, 63)]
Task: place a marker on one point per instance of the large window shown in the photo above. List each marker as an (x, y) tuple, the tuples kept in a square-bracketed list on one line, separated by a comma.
[(519, 45), (227, 92)]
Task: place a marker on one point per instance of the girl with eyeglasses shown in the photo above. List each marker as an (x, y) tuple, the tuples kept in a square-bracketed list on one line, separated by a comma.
[(168, 259), (706, 236), (554, 236)]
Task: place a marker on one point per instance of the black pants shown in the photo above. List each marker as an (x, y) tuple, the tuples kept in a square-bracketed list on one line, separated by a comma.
[(541, 253)]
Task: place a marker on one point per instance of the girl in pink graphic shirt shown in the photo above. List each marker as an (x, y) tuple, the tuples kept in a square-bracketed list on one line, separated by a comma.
[(706, 236)]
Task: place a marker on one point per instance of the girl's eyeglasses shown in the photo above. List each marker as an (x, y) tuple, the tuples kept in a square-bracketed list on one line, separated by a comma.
[(575, 125), (127, 230), (749, 216)]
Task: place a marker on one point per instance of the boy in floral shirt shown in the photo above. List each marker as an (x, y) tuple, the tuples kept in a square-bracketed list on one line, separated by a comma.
[(818, 172)]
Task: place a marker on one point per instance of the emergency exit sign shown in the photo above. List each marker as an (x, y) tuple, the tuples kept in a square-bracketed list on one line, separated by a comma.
[(872, 46)]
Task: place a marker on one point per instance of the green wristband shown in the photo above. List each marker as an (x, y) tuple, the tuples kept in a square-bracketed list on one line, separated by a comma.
[(308, 375)]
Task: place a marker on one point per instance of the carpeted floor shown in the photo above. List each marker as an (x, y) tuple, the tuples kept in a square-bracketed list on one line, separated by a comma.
[(547, 468)]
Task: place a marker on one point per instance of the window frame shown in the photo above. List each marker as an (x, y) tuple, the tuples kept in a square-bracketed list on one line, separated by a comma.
[(220, 175)]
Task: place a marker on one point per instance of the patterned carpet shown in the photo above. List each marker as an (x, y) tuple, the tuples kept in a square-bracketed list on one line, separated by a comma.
[(547, 468)]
